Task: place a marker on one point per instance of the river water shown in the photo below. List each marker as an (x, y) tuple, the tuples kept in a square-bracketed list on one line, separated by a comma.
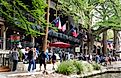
[(108, 75)]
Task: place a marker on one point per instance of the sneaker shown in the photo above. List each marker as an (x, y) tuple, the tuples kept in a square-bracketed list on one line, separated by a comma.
[(33, 75), (33, 70)]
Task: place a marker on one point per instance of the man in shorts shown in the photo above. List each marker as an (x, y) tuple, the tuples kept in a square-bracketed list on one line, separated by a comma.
[(43, 60), (53, 60)]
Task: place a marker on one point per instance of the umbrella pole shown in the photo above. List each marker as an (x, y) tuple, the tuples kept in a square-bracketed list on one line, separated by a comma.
[(46, 34)]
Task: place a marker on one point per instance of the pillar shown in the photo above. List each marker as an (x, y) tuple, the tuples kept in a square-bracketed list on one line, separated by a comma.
[(4, 38)]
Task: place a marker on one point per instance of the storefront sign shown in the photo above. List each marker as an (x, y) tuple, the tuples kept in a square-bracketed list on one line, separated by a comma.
[(15, 37), (77, 49)]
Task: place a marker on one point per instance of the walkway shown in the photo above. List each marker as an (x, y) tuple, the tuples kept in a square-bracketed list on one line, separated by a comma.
[(23, 73), (114, 65), (49, 70), (2, 76)]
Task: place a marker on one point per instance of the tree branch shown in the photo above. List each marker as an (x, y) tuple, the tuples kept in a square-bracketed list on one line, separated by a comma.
[(21, 16), (114, 5), (100, 30)]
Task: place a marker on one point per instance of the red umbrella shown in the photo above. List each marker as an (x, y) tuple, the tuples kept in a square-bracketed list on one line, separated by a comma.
[(59, 44)]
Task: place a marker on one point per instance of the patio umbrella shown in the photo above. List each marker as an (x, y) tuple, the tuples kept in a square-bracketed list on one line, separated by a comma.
[(60, 45)]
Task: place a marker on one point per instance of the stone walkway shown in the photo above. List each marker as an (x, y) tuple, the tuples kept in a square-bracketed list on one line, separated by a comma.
[(114, 65), (49, 70), (2, 76), (25, 73)]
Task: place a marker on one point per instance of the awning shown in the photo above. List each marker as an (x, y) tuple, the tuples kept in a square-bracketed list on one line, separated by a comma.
[(60, 45), (63, 36)]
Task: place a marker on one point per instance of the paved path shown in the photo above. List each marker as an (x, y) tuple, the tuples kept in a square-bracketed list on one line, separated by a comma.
[(2, 75), (114, 65), (49, 70), (8, 74)]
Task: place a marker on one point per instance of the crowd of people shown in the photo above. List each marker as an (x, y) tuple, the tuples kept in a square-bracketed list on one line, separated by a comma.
[(100, 58), (31, 56)]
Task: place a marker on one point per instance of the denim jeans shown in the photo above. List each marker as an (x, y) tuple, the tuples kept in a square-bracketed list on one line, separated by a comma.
[(31, 65)]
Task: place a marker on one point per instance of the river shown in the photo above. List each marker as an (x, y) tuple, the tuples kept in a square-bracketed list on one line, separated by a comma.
[(108, 75)]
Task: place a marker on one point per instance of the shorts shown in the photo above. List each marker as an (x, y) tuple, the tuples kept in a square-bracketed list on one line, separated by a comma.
[(42, 62)]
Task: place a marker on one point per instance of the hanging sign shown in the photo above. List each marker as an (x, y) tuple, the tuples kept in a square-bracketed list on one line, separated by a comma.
[(77, 49)]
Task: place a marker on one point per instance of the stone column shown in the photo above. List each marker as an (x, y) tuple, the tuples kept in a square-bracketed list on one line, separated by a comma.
[(4, 38)]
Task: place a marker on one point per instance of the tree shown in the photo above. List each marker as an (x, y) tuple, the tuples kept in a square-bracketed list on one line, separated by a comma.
[(82, 9), (16, 12), (85, 10), (112, 21)]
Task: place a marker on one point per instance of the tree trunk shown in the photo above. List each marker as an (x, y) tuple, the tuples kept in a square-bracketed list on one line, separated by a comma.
[(89, 42), (46, 33), (115, 39), (104, 42), (92, 43)]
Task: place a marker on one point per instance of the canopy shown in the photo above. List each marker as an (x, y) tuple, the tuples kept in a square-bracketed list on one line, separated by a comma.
[(59, 44)]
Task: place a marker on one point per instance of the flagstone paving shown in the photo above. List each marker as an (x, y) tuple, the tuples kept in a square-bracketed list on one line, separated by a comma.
[(25, 74)]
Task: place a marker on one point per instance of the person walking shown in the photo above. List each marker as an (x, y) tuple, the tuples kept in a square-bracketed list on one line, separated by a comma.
[(15, 55), (61, 56), (31, 60), (35, 55), (42, 59), (10, 58), (97, 59), (53, 60)]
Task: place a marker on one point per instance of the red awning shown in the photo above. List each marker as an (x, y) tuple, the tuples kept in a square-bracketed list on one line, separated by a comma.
[(60, 45)]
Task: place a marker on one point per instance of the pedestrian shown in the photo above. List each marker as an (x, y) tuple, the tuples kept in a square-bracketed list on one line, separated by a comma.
[(31, 60), (10, 58), (53, 60), (35, 55), (43, 60), (90, 58), (15, 56), (97, 59), (61, 56), (26, 54)]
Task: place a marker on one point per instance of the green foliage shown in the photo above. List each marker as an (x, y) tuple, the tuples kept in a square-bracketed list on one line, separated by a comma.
[(73, 66), (90, 67), (66, 68), (17, 13), (109, 14), (80, 9), (105, 13), (79, 67), (96, 66)]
